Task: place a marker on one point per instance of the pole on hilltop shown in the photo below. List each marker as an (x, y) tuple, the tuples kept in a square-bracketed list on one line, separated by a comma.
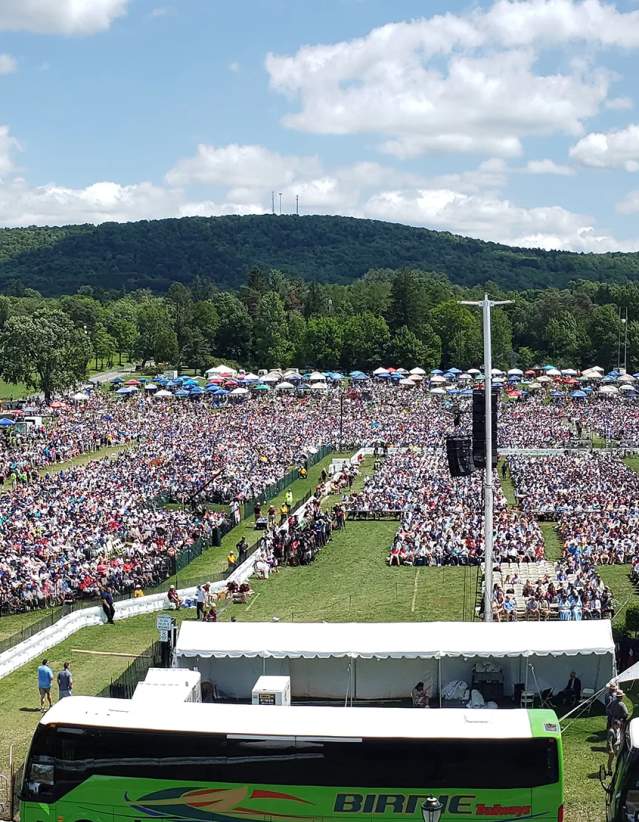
[(489, 489)]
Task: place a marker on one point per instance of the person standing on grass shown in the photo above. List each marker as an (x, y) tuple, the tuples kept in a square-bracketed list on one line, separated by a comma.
[(65, 681), (45, 678), (614, 742), (107, 604)]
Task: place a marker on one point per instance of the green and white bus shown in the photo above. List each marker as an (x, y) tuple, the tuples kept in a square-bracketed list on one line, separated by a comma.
[(104, 760)]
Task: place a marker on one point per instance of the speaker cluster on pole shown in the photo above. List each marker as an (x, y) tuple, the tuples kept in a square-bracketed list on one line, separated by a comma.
[(465, 453), (460, 458), (479, 428)]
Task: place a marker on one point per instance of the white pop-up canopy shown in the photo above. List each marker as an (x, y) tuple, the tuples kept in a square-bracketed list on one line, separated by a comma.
[(384, 660)]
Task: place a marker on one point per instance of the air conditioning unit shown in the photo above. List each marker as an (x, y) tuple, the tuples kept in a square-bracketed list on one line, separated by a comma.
[(272, 690)]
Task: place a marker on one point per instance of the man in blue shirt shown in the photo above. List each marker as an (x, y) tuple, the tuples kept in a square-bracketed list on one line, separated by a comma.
[(45, 678)]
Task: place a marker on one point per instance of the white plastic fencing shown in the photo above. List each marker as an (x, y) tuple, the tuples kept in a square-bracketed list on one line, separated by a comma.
[(36, 645)]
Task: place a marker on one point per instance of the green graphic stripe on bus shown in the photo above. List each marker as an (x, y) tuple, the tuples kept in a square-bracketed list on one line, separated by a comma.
[(207, 803), (229, 804)]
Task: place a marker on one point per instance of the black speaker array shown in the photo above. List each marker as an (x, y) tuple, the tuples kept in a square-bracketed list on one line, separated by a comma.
[(459, 453), (479, 428)]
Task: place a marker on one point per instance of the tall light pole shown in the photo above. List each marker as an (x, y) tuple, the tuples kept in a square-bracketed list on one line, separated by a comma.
[(489, 490)]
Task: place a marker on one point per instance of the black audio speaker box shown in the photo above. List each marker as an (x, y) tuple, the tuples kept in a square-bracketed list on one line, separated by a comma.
[(479, 428), (458, 451)]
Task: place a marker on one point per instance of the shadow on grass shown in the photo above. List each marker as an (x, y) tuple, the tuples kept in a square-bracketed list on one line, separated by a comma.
[(30, 710)]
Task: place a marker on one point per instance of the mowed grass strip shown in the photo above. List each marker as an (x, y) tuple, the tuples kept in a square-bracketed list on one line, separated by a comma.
[(349, 581)]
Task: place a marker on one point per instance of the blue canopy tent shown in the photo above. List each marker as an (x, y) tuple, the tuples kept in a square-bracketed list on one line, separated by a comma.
[(6, 423), (578, 395), (181, 393), (127, 390)]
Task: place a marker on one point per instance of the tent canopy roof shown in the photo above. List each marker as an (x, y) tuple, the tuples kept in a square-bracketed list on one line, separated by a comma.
[(383, 640)]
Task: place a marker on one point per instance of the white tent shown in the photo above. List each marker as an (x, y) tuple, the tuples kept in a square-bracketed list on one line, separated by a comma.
[(284, 386), (515, 372), (408, 383), (220, 369), (379, 371), (80, 397), (438, 378), (376, 661), (163, 394), (417, 370), (238, 392), (317, 376), (437, 390)]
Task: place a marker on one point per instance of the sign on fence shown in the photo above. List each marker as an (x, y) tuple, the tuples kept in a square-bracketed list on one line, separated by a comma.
[(164, 623)]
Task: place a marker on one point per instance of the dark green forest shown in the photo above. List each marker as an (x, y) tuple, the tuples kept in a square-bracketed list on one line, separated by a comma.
[(120, 258)]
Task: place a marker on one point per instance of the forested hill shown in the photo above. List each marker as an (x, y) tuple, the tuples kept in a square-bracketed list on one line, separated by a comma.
[(152, 254)]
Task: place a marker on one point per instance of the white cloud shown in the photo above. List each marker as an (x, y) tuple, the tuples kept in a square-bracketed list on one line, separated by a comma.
[(234, 67), (548, 167), (457, 83), (21, 204), (7, 64), (614, 149), (240, 165), (60, 16), (629, 204), (619, 103), (8, 146), (492, 218), (209, 208)]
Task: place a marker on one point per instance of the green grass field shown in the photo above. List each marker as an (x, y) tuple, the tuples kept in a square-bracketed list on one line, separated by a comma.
[(13, 391)]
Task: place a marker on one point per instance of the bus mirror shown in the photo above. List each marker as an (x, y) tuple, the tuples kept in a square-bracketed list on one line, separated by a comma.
[(602, 779)]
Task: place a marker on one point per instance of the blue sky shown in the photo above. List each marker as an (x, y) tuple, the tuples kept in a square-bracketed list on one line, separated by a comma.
[(508, 121)]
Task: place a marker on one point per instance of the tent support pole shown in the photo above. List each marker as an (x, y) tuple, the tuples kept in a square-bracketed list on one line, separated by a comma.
[(439, 679), (354, 691), (526, 677), (596, 685)]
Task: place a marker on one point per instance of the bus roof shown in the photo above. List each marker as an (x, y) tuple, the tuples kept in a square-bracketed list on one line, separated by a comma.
[(297, 721)]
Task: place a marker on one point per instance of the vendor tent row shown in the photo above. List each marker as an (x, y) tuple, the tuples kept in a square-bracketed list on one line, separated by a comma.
[(384, 661)]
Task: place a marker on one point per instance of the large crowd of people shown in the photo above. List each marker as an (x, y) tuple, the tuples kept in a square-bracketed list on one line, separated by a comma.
[(63, 534), (593, 496)]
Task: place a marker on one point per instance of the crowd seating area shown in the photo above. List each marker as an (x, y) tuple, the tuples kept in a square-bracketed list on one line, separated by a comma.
[(62, 535)]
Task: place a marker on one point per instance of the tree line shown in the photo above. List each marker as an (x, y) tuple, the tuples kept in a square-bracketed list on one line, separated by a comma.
[(402, 317)]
